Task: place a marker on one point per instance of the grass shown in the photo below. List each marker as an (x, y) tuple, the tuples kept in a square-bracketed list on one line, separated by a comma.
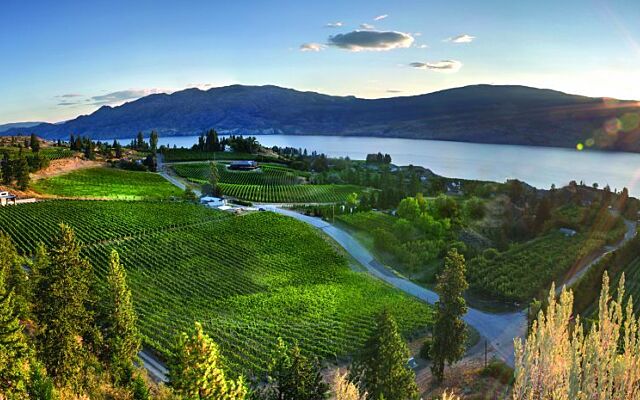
[(368, 221), (248, 279), (107, 183)]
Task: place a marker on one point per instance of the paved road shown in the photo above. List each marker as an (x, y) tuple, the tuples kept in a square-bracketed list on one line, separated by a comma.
[(628, 235), (498, 329)]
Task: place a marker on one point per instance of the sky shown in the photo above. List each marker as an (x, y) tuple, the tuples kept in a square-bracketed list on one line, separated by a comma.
[(60, 59)]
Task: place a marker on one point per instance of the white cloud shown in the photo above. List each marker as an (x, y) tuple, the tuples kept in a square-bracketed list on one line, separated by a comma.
[(367, 27), (461, 39), (379, 17), (337, 24), (124, 95), (394, 91), (69, 95), (422, 46), (371, 40), (311, 47), (439, 66)]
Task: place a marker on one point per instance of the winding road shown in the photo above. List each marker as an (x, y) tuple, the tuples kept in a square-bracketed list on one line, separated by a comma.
[(499, 329)]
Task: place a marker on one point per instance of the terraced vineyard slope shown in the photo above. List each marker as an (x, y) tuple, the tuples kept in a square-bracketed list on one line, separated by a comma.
[(269, 184), (248, 279)]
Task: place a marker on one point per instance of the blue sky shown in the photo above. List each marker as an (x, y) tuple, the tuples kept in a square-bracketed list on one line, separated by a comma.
[(60, 59)]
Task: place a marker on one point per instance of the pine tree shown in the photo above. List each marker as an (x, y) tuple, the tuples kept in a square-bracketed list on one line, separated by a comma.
[(153, 141), (450, 332), (214, 179), (196, 371), (121, 336), (63, 280), (34, 143), (382, 366), (22, 173), (14, 350), (15, 278), (293, 377)]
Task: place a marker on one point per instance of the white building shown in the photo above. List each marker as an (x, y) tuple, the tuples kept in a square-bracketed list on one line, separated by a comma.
[(7, 198), (213, 202)]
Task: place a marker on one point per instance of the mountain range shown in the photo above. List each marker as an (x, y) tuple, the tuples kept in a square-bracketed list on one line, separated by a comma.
[(479, 113), (14, 125)]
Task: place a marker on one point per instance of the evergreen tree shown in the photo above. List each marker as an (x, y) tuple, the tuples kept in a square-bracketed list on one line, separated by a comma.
[(63, 281), (153, 141), (6, 170), (140, 144), (293, 377), (121, 336), (382, 365), (14, 351), (196, 370), (22, 173), (450, 332), (214, 179), (34, 143)]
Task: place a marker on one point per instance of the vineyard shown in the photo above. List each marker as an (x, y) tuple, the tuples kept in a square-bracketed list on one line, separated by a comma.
[(519, 273), (269, 184), (175, 155), (267, 174), (97, 221), (107, 183), (248, 279), (50, 153), (291, 193)]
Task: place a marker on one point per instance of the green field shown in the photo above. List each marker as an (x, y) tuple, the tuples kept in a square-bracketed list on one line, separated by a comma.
[(107, 183), (368, 221), (248, 279), (521, 272)]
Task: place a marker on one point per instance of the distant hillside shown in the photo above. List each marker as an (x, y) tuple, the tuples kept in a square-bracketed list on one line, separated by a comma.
[(15, 125), (481, 113)]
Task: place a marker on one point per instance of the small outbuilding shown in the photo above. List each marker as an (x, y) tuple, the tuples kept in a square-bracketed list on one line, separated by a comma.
[(7, 198), (214, 202), (247, 165), (567, 232)]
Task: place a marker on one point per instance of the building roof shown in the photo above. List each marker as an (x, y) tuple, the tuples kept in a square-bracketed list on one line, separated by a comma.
[(7, 195), (244, 163)]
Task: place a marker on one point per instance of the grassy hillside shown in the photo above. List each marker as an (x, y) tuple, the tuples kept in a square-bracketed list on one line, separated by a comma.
[(108, 183), (248, 279)]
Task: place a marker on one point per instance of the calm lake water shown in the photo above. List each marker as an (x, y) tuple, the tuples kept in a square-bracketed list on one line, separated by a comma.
[(538, 166)]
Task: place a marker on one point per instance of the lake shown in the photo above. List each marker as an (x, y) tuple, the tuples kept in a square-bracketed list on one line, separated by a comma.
[(538, 166)]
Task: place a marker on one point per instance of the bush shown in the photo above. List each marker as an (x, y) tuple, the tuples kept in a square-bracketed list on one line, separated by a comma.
[(475, 208), (498, 370), (425, 349), (139, 388)]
